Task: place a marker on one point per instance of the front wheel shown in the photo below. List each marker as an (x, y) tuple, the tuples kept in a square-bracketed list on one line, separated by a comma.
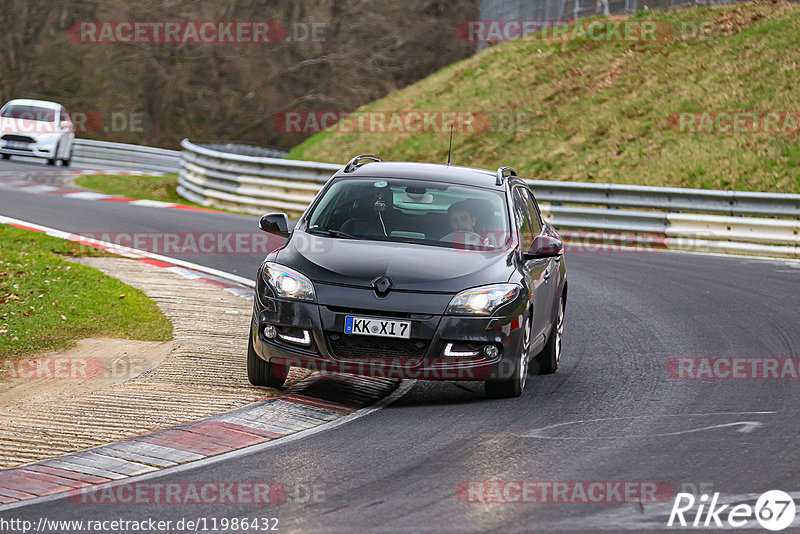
[(512, 387), (54, 159), (546, 362), (6, 156), (263, 373), (66, 161)]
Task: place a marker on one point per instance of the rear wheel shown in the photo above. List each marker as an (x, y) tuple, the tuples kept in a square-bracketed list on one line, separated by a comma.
[(512, 387), (6, 156), (263, 373), (546, 362)]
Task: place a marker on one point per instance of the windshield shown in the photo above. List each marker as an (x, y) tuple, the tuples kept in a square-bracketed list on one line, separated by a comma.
[(430, 213), (33, 113)]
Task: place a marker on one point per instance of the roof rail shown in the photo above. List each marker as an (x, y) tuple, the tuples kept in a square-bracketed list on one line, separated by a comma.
[(502, 172), (353, 164)]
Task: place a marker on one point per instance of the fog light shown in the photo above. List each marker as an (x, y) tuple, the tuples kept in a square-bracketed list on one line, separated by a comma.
[(305, 340), (450, 351), (270, 331), (490, 351)]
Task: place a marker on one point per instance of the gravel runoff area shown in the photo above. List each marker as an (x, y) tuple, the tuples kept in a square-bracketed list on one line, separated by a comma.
[(203, 374)]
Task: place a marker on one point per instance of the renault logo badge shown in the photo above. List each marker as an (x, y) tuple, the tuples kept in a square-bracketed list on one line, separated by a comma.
[(382, 285)]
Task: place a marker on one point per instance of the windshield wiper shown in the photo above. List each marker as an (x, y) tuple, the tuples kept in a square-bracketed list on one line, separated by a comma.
[(331, 233)]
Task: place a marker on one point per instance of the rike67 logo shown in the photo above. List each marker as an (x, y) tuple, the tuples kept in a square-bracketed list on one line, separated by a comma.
[(774, 510)]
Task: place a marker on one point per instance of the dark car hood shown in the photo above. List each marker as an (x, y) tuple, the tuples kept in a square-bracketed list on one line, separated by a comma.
[(411, 267)]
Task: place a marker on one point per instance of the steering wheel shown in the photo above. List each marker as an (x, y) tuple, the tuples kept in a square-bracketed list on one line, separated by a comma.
[(466, 233)]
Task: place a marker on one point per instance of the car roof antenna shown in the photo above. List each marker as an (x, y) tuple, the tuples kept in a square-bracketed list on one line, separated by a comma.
[(450, 148)]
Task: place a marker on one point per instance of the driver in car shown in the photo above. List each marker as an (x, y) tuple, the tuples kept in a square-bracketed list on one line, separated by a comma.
[(462, 222)]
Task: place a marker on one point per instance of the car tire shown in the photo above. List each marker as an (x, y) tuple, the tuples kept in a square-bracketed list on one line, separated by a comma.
[(65, 162), (263, 373), (54, 159), (6, 156), (546, 362), (513, 387)]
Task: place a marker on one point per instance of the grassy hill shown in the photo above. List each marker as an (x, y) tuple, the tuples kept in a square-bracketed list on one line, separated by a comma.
[(605, 110)]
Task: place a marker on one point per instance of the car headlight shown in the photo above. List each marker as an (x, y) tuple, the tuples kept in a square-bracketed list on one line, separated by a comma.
[(288, 283), (45, 136), (483, 300)]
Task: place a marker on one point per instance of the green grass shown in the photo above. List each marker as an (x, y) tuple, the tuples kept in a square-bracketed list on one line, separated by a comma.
[(47, 302), (598, 111), (163, 188)]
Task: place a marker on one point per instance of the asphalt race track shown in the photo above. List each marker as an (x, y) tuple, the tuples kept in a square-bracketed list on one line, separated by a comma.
[(620, 416)]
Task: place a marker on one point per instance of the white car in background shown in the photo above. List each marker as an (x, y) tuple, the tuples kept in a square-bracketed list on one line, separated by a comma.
[(36, 128)]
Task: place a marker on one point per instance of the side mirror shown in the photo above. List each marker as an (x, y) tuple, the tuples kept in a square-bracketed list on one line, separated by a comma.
[(544, 246), (64, 125), (275, 223)]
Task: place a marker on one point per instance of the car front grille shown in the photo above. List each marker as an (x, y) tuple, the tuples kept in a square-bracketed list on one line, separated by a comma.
[(360, 347), (18, 138), (378, 313)]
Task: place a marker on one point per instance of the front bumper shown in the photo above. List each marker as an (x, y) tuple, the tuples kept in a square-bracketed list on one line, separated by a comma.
[(43, 148), (421, 357)]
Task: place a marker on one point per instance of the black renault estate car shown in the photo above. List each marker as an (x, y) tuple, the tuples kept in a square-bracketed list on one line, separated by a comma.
[(413, 270)]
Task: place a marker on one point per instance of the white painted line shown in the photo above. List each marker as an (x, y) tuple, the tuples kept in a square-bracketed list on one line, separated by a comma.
[(746, 426), (246, 294), (38, 188), (86, 195), (186, 273), (404, 387), (151, 203)]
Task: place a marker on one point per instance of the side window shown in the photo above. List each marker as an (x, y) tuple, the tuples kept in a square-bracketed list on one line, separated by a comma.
[(526, 233), (533, 212)]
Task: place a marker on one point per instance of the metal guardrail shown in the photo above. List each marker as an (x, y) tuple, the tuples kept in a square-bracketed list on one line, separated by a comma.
[(244, 149), (687, 218), (668, 198), (249, 183), (103, 155)]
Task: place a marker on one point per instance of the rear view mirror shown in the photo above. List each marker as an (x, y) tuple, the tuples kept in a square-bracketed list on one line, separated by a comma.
[(416, 198), (275, 223), (544, 246)]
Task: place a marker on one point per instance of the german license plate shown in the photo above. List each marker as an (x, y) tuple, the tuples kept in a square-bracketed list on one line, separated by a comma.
[(370, 326), (16, 145)]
